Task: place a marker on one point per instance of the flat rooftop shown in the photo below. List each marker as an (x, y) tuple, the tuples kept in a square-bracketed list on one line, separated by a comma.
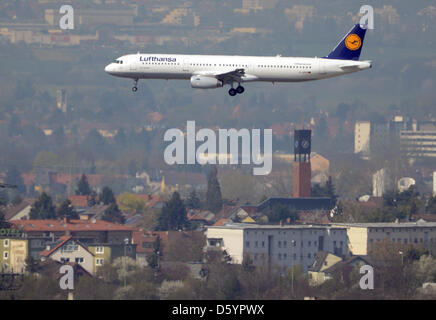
[(243, 226), (388, 224)]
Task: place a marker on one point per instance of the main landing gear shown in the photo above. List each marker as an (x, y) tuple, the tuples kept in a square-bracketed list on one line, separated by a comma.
[(239, 89), (135, 86)]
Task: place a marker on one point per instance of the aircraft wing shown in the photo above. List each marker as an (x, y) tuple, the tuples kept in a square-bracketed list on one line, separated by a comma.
[(227, 77)]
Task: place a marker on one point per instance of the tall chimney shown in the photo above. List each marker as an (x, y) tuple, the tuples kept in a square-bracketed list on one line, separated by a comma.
[(302, 167)]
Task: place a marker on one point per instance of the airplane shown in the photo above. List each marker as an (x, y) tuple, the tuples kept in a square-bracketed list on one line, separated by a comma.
[(215, 71)]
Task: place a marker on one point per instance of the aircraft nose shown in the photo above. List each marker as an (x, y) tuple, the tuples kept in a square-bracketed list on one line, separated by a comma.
[(109, 68)]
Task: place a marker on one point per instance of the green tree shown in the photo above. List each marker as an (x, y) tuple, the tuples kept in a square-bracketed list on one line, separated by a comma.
[(31, 264), (173, 214), (17, 200), (45, 160), (193, 202), (214, 201), (431, 205), (92, 199), (282, 213), (83, 188), (66, 210), (153, 259), (107, 196), (13, 177), (3, 222), (113, 214), (43, 208), (328, 190)]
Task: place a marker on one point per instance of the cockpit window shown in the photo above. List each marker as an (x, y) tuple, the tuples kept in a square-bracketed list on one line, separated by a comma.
[(118, 61)]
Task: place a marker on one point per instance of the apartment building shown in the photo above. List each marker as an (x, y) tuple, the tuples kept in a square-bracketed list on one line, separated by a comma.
[(13, 251), (277, 245), (40, 233), (362, 236)]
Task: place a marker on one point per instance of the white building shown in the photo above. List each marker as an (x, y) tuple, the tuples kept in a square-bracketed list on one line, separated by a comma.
[(379, 183), (281, 246), (419, 143), (361, 236), (434, 184), (362, 136)]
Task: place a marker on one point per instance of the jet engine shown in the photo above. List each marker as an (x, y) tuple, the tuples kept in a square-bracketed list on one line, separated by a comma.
[(203, 82)]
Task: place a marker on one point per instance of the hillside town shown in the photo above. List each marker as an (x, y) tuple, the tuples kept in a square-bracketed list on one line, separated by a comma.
[(84, 184)]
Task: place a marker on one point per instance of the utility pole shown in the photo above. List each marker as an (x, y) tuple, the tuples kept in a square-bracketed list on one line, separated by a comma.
[(292, 267), (126, 242)]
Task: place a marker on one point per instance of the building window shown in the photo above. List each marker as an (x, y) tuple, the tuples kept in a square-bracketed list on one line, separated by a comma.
[(280, 256), (99, 262), (79, 260), (99, 249), (263, 244), (6, 243), (285, 244), (70, 248), (247, 244), (65, 260), (280, 244), (309, 243), (6, 255), (256, 244)]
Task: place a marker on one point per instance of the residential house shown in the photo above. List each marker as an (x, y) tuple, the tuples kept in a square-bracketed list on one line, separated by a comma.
[(20, 211), (68, 249), (39, 233), (327, 266)]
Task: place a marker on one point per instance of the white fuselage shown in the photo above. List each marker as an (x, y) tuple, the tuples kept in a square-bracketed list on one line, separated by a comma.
[(256, 68)]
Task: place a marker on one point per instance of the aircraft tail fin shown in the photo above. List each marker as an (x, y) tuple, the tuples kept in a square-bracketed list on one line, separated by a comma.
[(350, 46)]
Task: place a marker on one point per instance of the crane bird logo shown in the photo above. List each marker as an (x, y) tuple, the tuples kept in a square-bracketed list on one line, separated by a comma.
[(353, 42)]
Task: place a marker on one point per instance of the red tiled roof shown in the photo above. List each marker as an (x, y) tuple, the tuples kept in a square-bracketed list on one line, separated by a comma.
[(249, 209), (10, 212), (79, 201), (221, 222), (72, 225), (141, 236), (62, 240)]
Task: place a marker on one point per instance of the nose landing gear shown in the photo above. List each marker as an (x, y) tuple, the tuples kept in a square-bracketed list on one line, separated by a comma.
[(135, 86)]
